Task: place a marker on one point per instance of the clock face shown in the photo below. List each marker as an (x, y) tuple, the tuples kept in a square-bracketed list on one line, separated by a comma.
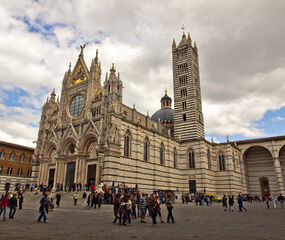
[(76, 106)]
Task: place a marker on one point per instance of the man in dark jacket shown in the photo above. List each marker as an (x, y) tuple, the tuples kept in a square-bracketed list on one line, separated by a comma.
[(240, 203), (44, 208), (13, 206), (224, 201)]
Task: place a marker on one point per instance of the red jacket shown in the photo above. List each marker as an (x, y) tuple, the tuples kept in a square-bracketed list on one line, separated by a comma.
[(4, 202)]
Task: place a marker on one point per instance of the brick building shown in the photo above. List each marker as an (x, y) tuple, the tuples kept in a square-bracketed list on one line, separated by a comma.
[(15, 165)]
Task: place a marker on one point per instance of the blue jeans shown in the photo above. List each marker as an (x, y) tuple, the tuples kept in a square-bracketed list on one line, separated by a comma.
[(4, 213), (43, 214)]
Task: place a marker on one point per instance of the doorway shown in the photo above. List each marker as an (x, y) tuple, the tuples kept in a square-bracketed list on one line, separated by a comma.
[(51, 178), (69, 178), (192, 186), (7, 186), (91, 174), (264, 186)]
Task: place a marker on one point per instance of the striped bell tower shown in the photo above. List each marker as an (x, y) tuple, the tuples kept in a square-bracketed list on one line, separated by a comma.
[(188, 116)]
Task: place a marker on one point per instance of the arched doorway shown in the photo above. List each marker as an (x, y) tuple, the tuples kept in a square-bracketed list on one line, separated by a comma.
[(282, 162), (264, 186), (260, 171), (7, 186)]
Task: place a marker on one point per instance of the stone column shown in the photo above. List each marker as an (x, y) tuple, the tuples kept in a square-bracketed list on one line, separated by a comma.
[(278, 174), (55, 181), (76, 171), (97, 174)]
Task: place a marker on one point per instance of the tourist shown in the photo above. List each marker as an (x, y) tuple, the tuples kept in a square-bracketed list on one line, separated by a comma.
[(4, 204), (231, 203), (143, 208), (158, 208), (267, 199), (273, 199), (117, 204), (44, 208), (75, 198), (153, 210), (51, 197), (13, 206), (211, 200), (84, 197), (138, 205), (58, 198), (281, 200), (21, 200), (134, 214), (128, 209), (1, 205), (123, 210), (169, 205), (147, 199), (224, 202), (240, 203)]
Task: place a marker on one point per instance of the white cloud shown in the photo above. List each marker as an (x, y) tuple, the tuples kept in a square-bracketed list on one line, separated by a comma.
[(278, 118), (242, 63)]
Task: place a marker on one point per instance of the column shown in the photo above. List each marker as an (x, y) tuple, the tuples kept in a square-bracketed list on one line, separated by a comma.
[(55, 180), (76, 171), (278, 174)]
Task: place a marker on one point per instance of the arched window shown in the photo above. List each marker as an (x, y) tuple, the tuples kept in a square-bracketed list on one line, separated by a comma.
[(222, 162), (31, 159), (146, 148), (12, 156), (162, 154), (191, 159), (209, 159), (2, 154), (127, 146), (174, 158), (22, 157)]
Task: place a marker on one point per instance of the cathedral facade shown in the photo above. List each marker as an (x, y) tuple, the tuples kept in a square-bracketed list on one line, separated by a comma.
[(90, 135)]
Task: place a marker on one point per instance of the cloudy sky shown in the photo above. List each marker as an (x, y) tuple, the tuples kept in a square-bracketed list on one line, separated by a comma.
[(241, 50)]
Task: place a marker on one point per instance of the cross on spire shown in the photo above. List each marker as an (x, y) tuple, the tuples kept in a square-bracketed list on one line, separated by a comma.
[(183, 28)]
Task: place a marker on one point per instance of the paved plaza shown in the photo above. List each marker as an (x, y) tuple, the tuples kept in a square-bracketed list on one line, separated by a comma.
[(195, 222)]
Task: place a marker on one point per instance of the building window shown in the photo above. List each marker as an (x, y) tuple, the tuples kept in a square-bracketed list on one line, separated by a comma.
[(22, 157), (29, 173), (162, 154), (12, 156), (9, 171), (184, 117), (209, 159), (0, 170), (234, 161), (2, 154), (174, 158), (184, 105), (19, 174), (191, 159), (31, 159), (127, 146), (222, 162), (146, 150)]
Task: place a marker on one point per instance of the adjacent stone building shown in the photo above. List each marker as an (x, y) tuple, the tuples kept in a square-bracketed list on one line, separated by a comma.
[(16, 163), (90, 135)]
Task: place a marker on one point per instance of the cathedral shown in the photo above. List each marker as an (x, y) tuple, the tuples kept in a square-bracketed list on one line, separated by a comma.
[(88, 134)]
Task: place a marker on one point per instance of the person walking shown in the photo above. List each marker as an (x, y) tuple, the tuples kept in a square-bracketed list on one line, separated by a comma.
[(117, 204), (273, 199), (21, 200), (75, 198), (281, 200), (44, 208), (153, 210), (4, 204), (13, 206), (224, 202), (158, 208), (143, 208), (58, 198), (267, 199), (240, 203), (84, 197), (169, 205), (231, 203)]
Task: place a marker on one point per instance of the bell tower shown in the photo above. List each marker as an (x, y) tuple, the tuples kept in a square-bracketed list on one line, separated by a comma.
[(188, 116)]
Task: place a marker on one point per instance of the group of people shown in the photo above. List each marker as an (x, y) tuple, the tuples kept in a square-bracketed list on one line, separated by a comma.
[(129, 205), (10, 200)]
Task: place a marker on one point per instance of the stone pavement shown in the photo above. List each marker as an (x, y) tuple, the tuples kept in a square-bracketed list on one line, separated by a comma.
[(195, 222)]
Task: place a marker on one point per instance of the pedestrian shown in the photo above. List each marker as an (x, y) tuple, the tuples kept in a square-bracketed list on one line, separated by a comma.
[(117, 204), (169, 205), (44, 208), (273, 199), (21, 200), (240, 203), (84, 196), (158, 208), (1, 205), (153, 210), (267, 199), (4, 204), (13, 206), (89, 200), (281, 200), (51, 197), (128, 209), (224, 202), (211, 200), (143, 208), (75, 198), (58, 198), (231, 203)]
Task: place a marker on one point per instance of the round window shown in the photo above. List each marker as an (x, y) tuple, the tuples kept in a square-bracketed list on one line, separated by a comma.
[(76, 106)]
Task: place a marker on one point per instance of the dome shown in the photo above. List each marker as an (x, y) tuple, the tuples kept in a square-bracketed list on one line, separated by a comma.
[(164, 114), (166, 98)]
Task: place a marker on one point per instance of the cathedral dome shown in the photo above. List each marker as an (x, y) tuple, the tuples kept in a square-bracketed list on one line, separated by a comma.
[(164, 114)]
